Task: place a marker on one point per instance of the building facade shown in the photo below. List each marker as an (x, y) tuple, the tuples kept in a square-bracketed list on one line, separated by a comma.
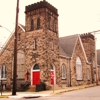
[(43, 57)]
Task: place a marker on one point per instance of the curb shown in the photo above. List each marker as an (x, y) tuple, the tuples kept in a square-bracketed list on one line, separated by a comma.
[(54, 93), (3, 96), (68, 90)]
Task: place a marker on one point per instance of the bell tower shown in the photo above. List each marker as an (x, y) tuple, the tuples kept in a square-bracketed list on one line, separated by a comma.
[(41, 15), (42, 39)]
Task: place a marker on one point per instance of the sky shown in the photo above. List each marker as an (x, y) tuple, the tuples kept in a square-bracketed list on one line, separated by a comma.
[(75, 16)]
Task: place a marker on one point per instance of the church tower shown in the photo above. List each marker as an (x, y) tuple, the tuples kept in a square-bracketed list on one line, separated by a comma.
[(42, 43)]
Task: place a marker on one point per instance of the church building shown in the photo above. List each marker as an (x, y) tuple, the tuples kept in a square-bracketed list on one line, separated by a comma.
[(44, 57)]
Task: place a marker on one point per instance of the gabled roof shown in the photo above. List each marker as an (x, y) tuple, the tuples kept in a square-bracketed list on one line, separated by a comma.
[(68, 43), (11, 36), (22, 27), (98, 57), (62, 53)]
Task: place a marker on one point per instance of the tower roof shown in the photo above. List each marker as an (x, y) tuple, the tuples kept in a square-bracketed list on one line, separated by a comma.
[(41, 4)]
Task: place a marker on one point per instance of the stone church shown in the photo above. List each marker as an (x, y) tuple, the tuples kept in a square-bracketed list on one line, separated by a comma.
[(43, 57)]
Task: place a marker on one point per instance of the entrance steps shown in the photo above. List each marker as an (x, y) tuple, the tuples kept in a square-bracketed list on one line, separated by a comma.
[(55, 87), (31, 89)]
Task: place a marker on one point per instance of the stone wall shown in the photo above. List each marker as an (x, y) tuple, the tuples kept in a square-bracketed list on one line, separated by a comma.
[(47, 42), (78, 52), (7, 55), (66, 62)]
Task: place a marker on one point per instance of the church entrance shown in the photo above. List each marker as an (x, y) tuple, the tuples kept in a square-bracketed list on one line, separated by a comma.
[(35, 75)]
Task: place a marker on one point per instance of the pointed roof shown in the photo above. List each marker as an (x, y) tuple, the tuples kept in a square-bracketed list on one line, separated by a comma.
[(68, 43), (22, 27), (62, 53)]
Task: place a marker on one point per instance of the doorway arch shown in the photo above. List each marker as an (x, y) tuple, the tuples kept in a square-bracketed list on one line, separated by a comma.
[(35, 75)]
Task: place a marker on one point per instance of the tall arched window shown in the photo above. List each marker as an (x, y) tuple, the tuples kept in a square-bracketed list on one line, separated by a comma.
[(3, 71), (54, 25), (78, 69), (20, 64), (32, 24), (63, 71), (94, 64), (35, 44), (38, 23), (88, 74)]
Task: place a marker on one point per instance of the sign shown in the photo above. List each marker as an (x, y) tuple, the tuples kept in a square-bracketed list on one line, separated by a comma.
[(52, 77)]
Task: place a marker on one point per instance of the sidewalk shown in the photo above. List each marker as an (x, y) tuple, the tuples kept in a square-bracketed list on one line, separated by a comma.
[(44, 93)]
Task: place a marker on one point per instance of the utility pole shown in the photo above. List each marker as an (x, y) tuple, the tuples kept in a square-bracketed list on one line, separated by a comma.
[(15, 53)]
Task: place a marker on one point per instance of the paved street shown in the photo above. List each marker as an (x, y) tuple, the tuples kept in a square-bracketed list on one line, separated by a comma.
[(92, 93)]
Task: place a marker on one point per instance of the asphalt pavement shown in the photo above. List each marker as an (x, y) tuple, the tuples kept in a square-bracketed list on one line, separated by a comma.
[(43, 93)]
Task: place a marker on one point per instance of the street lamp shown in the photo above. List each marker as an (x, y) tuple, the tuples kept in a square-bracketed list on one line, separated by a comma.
[(5, 28)]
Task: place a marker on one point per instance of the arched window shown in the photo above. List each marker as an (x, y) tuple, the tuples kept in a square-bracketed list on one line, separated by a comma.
[(20, 64), (36, 67), (38, 23), (49, 19), (54, 25), (35, 44), (88, 74), (78, 69), (94, 64), (3, 71), (32, 24), (51, 67), (19, 36), (63, 71), (99, 72)]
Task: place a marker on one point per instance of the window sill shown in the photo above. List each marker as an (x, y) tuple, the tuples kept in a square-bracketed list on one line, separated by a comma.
[(20, 78), (3, 79), (63, 79), (79, 80)]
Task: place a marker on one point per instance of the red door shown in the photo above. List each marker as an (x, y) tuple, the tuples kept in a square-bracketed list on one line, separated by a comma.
[(52, 77), (36, 77)]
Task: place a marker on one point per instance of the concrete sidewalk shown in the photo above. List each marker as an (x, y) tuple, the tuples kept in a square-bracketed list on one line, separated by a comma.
[(45, 93)]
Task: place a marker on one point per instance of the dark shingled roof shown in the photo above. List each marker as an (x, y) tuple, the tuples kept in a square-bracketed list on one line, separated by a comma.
[(98, 57), (62, 53), (68, 43)]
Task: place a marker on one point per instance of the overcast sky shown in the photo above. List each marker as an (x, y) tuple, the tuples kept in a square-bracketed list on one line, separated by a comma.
[(75, 16)]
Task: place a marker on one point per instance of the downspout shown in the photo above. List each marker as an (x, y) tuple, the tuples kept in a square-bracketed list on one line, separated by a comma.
[(69, 73)]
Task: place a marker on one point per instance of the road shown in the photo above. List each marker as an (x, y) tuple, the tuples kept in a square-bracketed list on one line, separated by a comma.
[(92, 93)]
